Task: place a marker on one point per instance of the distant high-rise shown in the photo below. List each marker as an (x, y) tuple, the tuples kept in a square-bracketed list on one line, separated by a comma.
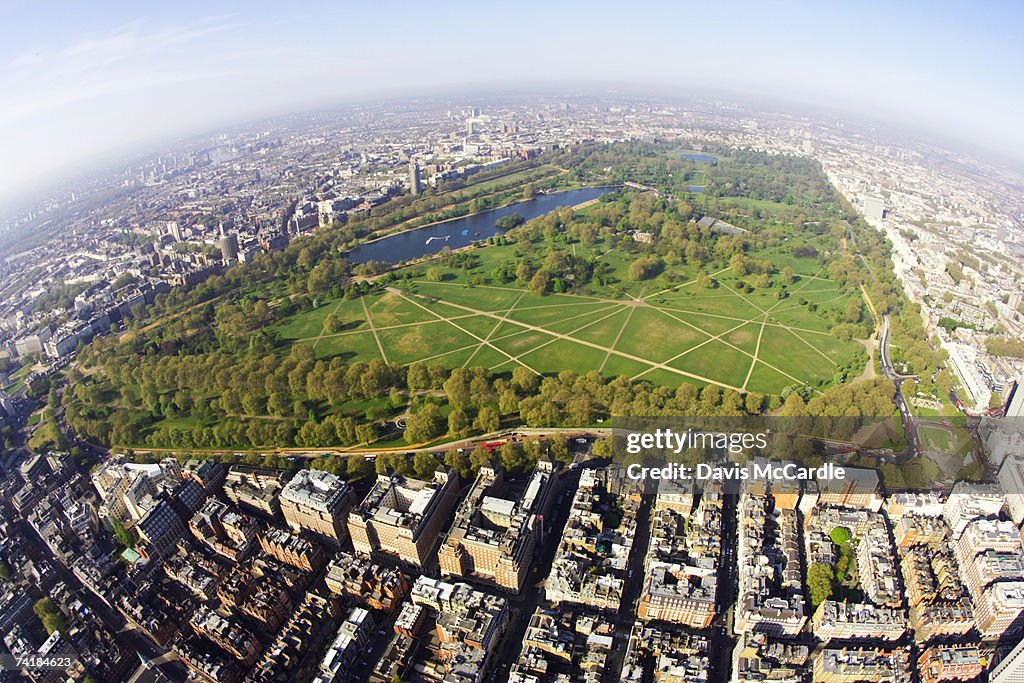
[(415, 187), (174, 230), (1010, 668), (874, 207), (1015, 408), (469, 127), (228, 247)]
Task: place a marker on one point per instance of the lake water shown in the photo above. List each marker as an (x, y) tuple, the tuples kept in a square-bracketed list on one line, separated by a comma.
[(461, 232), (700, 158)]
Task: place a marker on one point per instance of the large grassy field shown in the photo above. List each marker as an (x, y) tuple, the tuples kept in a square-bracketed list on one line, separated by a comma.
[(664, 332)]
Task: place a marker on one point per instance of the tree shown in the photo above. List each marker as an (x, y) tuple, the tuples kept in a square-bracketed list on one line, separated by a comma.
[(819, 583), (524, 379), (53, 620), (435, 274), (458, 462), (357, 467), (126, 537), (479, 458), (333, 323), (854, 311), (425, 425), (417, 377), (5, 571), (840, 535), (645, 268), (539, 282), (510, 456), (487, 420), (794, 406), (456, 388), (579, 410), (425, 465), (458, 422), (601, 448), (559, 449), (366, 432), (738, 263)]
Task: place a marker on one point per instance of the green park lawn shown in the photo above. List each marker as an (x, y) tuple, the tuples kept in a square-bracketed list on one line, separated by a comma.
[(666, 331)]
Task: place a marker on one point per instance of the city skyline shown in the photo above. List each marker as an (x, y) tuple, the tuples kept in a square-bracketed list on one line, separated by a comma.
[(87, 85)]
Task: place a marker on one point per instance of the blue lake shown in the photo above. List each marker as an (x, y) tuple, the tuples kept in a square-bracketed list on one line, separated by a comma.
[(461, 232)]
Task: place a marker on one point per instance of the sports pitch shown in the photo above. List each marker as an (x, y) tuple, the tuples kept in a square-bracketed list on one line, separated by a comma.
[(683, 333)]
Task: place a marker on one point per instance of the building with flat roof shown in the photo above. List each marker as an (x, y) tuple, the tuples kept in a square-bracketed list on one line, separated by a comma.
[(835, 620), (226, 531), (757, 658), (949, 662), (352, 639), (675, 656), (226, 634), (379, 587), (770, 598), (969, 501), (255, 489), (589, 567), (130, 490), (868, 665), (859, 488), (681, 567), (992, 567), (318, 502), (1011, 480), (402, 519), (493, 537), (918, 503), (160, 529), (292, 549), (469, 623)]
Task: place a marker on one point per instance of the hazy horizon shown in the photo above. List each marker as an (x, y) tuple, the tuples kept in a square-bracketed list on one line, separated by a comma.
[(87, 83)]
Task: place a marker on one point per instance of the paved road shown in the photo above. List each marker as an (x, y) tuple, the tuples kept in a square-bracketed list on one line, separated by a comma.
[(523, 606), (910, 428), (471, 442), (722, 639)]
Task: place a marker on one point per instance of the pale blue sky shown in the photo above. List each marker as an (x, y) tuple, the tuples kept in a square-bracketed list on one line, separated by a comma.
[(82, 79)]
